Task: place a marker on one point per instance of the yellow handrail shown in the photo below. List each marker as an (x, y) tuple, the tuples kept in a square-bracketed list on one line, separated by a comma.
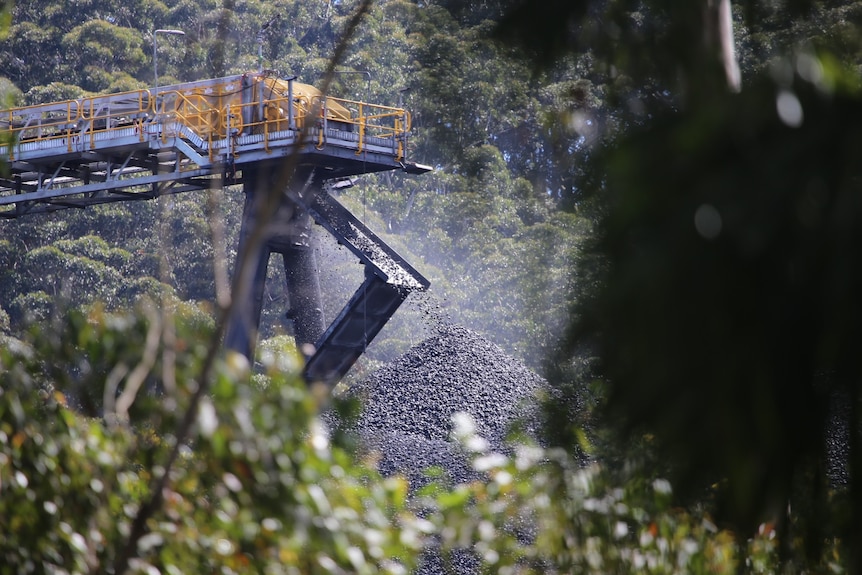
[(213, 111), (69, 119)]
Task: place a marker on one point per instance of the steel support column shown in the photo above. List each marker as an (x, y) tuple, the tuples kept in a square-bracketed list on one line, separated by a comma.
[(287, 233)]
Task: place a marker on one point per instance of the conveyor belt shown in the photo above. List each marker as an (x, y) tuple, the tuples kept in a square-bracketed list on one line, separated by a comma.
[(389, 279)]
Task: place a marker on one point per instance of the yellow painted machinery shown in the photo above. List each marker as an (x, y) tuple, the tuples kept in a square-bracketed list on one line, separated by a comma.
[(255, 103), (212, 111)]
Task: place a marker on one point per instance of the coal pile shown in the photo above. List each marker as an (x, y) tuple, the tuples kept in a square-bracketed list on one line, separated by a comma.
[(407, 409), (407, 405)]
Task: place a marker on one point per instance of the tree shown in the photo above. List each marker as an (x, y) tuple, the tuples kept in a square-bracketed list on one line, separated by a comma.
[(522, 169)]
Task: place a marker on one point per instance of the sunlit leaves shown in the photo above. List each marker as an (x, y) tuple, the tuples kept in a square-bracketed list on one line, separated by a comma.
[(260, 487), (64, 482), (100, 43)]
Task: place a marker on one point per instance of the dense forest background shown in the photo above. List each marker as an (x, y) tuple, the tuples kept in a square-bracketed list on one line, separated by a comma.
[(496, 226), (499, 224), (603, 206)]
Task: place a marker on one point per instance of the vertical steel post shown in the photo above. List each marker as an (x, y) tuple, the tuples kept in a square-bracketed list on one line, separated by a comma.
[(288, 233), (291, 114), (252, 261)]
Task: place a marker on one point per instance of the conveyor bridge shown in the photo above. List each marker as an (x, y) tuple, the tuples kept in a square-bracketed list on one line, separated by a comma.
[(239, 129)]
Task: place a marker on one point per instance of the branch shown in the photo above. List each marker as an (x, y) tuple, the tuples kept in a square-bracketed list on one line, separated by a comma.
[(159, 483), (718, 35)]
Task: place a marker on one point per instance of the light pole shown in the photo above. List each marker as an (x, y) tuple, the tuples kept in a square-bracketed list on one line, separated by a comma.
[(156, 56)]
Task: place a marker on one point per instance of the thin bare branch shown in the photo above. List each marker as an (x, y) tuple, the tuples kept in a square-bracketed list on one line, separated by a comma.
[(109, 395), (718, 35), (136, 379), (217, 236), (160, 482)]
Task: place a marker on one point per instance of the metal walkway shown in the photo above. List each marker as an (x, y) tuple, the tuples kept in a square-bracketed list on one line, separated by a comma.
[(139, 145)]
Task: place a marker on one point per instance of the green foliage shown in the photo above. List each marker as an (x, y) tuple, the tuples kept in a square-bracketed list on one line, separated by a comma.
[(249, 492), (28, 37), (30, 307), (105, 47), (68, 276), (258, 487), (53, 92), (5, 17), (10, 95), (68, 486), (539, 511), (62, 257), (97, 249), (730, 290)]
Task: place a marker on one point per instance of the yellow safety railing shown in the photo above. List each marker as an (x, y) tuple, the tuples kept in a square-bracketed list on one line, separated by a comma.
[(113, 112), (366, 120), (47, 122), (71, 120), (377, 120), (212, 112), (195, 111), (215, 116)]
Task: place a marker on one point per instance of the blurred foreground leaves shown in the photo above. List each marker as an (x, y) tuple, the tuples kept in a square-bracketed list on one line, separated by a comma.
[(728, 318), (258, 489)]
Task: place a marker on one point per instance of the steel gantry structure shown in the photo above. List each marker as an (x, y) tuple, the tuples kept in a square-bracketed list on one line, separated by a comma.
[(271, 135)]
